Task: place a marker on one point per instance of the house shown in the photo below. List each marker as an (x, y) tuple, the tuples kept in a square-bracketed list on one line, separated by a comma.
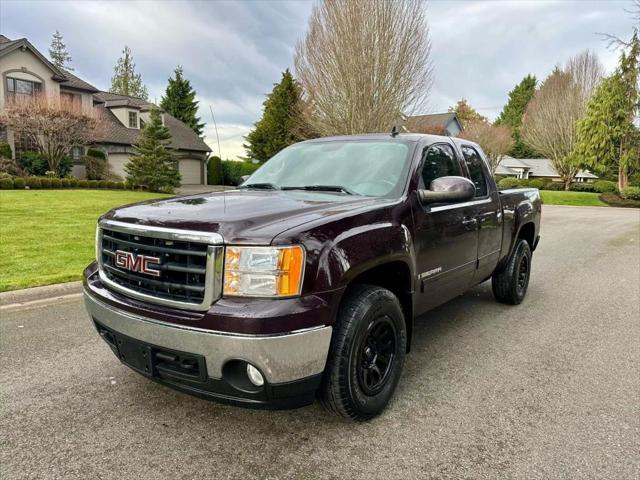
[(26, 72), (536, 168), (435, 123)]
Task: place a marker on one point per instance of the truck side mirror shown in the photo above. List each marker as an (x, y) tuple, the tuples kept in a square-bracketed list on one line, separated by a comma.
[(448, 190)]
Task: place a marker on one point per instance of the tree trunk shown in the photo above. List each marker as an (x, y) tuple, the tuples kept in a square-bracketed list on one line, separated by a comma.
[(567, 185), (623, 178)]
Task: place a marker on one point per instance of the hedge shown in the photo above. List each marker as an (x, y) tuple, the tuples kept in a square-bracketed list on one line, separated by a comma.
[(214, 171), (615, 200), (509, 183), (605, 186), (233, 170), (581, 187), (36, 183)]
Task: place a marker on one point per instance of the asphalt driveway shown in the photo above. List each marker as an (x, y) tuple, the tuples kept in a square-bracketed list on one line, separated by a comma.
[(548, 389)]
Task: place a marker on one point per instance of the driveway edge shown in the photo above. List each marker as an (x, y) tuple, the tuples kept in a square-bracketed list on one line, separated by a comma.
[(14, 297)]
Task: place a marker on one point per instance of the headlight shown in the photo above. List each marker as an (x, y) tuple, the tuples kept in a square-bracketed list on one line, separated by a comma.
[(263, 271)]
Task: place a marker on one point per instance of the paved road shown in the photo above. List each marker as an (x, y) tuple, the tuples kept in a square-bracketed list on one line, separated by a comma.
[(549, 389)]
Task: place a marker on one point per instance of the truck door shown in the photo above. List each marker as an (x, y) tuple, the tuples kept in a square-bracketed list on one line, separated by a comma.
[(486, 210), (446, 236)]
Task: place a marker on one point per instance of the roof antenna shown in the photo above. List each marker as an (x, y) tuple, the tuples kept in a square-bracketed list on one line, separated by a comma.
[(394, 132)]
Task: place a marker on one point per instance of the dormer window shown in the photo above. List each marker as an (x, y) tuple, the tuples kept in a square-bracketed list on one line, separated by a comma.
[(133, 119)]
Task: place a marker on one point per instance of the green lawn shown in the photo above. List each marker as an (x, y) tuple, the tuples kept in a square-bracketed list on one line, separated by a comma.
[(585, 199), (47, 236)]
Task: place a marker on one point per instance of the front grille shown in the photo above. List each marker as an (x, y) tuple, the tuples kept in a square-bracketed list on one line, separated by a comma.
[(187, 273)]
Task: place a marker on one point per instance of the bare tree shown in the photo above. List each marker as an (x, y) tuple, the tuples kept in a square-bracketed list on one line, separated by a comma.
[(615, 42), (495, 140), (549, 122), (587, 72), (363, 64), (55, 126)]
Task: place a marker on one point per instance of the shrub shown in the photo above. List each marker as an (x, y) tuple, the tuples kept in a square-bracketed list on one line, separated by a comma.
[(5, 150), (509, 183), (97, 168), (19, 183), (605, 186), (102, 184), (6, 183), (555, 186), (33, 182), (581, 187), (56, 183), (96, 153), (631, 193), (64, 183), (214, 171), (11, 167), (73, 182), (64, 167), (536, 183), (45, 182), (233, 170), (616, 200), (83, 184), (93, 184), (34, 163)]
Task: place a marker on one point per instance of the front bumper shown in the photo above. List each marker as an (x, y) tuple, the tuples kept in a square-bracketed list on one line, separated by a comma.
[(292, 363)]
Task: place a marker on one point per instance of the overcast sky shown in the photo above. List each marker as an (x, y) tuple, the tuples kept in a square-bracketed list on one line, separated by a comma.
[(233, 52)]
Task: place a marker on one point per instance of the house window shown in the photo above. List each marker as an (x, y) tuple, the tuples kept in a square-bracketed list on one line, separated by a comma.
[(76, 154), (24, 143), (133, 120), (18, 88), (71, 98)]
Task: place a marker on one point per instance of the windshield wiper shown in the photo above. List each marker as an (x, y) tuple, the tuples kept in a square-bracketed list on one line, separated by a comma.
[(323, 188), (261, 186)]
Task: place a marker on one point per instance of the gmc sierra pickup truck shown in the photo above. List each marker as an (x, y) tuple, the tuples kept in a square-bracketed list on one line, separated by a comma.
[(305, 281)]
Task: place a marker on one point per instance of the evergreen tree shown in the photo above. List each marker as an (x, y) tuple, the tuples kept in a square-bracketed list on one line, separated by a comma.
[(467, 114), (58, 52), (125, 80), (153, 165), (512, 113), (281, 123), (179, 100), (607, 136)]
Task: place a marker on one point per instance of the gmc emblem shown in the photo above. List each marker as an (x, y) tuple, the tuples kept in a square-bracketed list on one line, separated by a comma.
[(137, 263)]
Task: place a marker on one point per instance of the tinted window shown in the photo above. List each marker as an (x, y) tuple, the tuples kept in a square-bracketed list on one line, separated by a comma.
[(439, 161), (476, 172)]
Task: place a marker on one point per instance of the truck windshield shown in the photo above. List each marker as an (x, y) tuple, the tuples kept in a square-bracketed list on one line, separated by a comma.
[(371, 168)]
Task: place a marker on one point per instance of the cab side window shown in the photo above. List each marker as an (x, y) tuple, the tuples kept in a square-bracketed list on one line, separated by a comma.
[(439, 161), (476, 170)]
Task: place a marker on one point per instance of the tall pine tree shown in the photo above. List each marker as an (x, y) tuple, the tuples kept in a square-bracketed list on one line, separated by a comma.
[(125, 80), (281, 123), (607, 136), (58, 52), (180, 101), (512, 113), (153, 165)]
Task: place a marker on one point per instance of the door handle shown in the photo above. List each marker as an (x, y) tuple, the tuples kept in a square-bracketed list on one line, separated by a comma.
[(470, 223)]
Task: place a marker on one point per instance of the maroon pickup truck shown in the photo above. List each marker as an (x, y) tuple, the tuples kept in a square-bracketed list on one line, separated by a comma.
[(305, 281)]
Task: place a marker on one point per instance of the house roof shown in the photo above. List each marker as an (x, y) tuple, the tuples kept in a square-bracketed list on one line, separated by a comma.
[(65, 78), (432, 121), (537, 167), (113, 131)]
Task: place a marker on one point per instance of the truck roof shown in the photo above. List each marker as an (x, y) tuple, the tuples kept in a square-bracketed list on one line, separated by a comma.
[(410, 137)]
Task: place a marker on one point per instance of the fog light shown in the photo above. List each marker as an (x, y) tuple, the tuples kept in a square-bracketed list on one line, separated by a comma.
[(254, 375)]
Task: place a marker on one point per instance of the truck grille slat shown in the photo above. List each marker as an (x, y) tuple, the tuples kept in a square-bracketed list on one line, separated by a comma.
[(181, 272)]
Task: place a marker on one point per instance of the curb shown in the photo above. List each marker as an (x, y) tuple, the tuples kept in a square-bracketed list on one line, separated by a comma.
[(39, 293)]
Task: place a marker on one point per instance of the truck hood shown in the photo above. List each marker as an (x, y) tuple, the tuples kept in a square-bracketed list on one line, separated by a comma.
[(242, 216)]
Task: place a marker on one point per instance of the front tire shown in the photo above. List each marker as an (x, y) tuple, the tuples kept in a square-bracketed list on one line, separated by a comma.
[(510, 284), (367, 354)]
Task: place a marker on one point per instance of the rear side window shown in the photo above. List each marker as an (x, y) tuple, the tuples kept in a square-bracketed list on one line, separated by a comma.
[(439, 161), (476, 172)]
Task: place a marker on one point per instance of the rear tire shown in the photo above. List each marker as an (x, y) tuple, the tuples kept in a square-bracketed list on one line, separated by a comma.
[(510, 284), (366, 355)]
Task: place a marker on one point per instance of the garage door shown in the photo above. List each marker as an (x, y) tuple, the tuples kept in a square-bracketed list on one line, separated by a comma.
[(190, 171)]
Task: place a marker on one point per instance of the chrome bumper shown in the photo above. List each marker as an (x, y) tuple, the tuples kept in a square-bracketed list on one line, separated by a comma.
[(281, 358)]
